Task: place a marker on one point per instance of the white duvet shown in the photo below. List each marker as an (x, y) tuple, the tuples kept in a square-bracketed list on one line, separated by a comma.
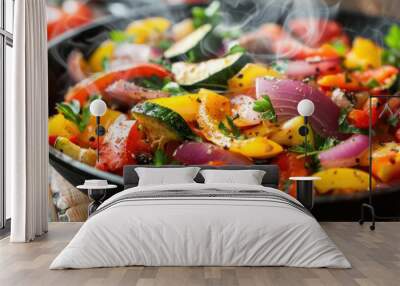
[(200, 231)]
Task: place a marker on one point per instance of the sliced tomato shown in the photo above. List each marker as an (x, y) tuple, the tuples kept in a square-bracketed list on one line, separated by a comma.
[(242, 108), (360, 117), (290, 166), (78, 68), (72, 14), (315, 32), (383, 77), (54, 16), (342, 81), (52, 139), (123, 141), (272, 37), (98, 83)]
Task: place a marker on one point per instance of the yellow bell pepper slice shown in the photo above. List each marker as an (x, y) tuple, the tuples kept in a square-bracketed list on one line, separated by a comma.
[(212, 110), (148, 30), (86, 138), (102, 53), (265, 129), (87, 156), (364, 54), (59, 126), (342, 179), (288, 133), (186, 105), (385, 161), (246, 78), (386, 168), (379, 151)]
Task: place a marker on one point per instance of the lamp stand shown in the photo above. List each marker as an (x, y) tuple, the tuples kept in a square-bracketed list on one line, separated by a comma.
[(369, 206), (303, 131), (100, 131)]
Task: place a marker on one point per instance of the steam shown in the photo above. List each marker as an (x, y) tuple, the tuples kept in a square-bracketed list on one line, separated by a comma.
[(255, 13)]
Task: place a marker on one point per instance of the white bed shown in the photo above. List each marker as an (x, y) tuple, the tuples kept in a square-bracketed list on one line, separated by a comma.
[(222, 225)]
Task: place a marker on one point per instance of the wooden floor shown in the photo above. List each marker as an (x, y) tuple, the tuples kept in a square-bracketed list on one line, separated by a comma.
[(375, 257)]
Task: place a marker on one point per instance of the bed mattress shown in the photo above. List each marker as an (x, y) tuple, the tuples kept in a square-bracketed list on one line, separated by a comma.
[(201, 225)]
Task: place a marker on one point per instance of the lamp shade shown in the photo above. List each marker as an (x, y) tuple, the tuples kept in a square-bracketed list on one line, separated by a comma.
[(305, 107), (98, 107)]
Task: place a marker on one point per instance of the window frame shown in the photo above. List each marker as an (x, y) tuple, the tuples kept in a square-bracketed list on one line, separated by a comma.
[(6, 39)]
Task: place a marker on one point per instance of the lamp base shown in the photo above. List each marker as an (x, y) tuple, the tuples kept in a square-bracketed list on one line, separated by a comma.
[(374, 217)]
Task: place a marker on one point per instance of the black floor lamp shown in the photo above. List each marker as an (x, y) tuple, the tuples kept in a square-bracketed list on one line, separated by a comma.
[(369, 206), (97, 108)]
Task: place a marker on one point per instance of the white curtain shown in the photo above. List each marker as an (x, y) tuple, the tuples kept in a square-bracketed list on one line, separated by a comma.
[(26, 123)]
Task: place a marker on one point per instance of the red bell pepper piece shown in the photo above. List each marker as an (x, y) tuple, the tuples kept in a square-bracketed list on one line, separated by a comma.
[(52, 139), (290, 166), (98, 83), (72, 14), (123, 141)]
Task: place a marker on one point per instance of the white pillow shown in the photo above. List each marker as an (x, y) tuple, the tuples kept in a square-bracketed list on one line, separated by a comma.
[(248, 177), (166, 176)]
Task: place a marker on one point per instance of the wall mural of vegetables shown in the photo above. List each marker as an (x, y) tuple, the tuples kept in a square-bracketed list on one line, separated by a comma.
[(186, 93)]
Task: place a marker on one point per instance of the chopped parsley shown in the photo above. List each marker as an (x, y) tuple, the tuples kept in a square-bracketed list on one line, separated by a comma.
[(265, 108), (372, 83), (164, 44), (302, 148), (391, 55), (231, 129), (393, 120), (345, 126), (120, 36), (162, 62), (153, 82), (173, 88), (208, 15), (236, 49), (160, 158), (339, 47), (72, 112)]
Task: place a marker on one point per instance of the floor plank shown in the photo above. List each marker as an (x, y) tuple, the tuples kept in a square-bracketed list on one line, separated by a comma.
[(375, 257)]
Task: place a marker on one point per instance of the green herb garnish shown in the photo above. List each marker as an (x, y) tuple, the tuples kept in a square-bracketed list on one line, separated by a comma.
[(105, 63), (372, 83), (72, 112), (393, 120), (302, 148), (231, 129), (236, 49), (164, 44), (280, 66), (162, 62), (391, 55), (173, 88), (339, 47), (208, 15), (234, 129), (345, 126), (160, 158), (286, 186), (229, 33), (119, 36), (265, 107), (154, 82)]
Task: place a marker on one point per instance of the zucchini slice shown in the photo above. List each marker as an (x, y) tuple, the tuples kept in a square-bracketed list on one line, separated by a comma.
[(198, 45), (211, 74), (161, 123)]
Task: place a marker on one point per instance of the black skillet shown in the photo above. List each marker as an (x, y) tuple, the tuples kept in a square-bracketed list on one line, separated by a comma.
[(87, 38)]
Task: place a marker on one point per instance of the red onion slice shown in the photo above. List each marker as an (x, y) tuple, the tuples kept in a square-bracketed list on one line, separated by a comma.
[(285, 94), (302, 69), (194, 153), (346, 154)]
